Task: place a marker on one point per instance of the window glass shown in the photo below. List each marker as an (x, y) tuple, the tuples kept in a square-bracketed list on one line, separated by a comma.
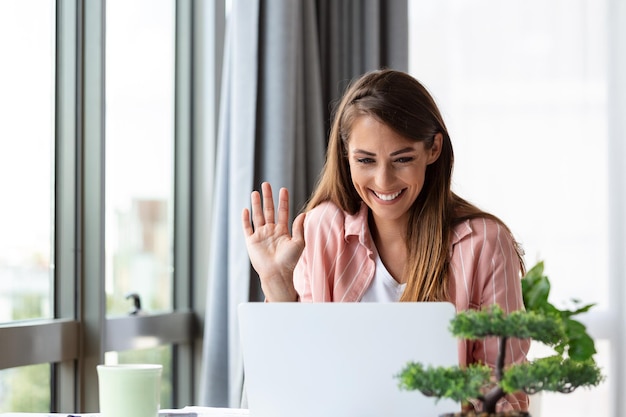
[(139, 153), (27, 37), (26, 154), (523, 90), (25, 389), (161, 355)]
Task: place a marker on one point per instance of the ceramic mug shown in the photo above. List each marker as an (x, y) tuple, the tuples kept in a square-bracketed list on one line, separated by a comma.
[(129, 390)]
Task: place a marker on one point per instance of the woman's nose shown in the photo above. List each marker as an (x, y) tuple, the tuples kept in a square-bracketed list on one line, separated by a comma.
[(384, 176)]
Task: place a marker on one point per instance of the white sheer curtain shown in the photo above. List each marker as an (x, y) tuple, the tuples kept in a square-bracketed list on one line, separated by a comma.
[(525, 90)]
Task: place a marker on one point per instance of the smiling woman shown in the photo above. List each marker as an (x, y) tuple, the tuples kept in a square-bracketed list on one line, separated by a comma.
[(383, 216)]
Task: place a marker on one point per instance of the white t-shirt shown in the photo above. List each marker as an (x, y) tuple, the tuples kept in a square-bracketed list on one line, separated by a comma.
[(383, 287)]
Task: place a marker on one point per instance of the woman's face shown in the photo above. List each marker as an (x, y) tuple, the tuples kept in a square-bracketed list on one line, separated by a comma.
[(387, 169)]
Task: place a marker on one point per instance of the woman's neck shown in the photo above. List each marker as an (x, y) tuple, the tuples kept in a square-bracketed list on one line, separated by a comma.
[(387, 231), (390, 241)]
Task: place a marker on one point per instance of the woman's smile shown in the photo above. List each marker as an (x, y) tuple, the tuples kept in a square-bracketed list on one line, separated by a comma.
[(388, 197)]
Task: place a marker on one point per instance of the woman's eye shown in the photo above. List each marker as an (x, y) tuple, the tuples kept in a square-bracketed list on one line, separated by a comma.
[(365, 160), (405, 159)]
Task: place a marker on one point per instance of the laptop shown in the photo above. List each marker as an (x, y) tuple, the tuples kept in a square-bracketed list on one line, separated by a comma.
[(340, 359)]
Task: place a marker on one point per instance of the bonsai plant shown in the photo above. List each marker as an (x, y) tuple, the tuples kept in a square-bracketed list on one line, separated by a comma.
[(571, 366)]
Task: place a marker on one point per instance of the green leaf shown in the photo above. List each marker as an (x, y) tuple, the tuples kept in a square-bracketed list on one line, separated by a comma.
[(581, 310), (575, 343), (574, 328), (581, 348), (535, 288)]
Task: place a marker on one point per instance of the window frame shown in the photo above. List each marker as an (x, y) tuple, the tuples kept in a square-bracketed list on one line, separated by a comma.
[(614, 320)]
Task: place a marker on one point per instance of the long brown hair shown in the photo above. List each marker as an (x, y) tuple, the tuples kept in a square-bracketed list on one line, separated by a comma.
[(402, 103)]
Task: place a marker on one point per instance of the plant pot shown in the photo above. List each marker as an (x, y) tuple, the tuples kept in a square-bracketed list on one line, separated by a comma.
[(484, 414)]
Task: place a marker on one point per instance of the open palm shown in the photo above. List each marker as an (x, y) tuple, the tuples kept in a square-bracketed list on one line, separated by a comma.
[(273, 251)]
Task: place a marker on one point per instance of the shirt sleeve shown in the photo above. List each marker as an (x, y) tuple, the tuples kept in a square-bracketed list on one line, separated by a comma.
[(301, 280), (312, 274), (336, 265)]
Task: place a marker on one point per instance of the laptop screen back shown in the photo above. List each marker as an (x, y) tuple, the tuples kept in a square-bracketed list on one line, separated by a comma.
[(340, 359)]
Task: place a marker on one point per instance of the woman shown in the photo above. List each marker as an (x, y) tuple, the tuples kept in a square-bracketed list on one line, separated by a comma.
[(383, 223)]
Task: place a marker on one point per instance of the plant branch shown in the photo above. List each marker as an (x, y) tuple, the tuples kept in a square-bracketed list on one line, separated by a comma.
[(501, 357), (491, 398)]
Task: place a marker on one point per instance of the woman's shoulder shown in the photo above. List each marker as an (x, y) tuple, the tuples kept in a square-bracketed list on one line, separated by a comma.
[(325, 210), (480, 228), (470, 222), (328, 215), (484, 243), (324, 216)]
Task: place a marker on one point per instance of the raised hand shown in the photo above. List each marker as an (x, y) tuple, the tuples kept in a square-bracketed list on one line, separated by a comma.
[(273, 251)]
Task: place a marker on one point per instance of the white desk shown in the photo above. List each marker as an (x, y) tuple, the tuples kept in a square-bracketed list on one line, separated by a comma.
[(189, 411)]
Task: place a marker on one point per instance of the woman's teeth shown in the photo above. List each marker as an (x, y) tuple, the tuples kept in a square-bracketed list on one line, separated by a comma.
[(387, 197)]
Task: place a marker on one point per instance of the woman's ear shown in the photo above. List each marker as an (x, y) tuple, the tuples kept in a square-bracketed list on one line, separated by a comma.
[(435, 149)]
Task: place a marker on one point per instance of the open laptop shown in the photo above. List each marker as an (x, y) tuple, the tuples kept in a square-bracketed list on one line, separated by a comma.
[(340, 359)]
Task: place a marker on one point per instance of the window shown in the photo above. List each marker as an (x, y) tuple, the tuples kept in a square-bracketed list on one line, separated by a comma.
[(99, 162), (524, 90), (139, 172)]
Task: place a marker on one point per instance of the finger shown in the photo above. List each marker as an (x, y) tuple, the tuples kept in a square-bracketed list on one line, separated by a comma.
[(268, 202), (257, 210), (298, 227), (283, 207), (245, 222)]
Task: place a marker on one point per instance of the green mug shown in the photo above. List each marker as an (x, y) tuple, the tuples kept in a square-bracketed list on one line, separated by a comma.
[(129, 390)]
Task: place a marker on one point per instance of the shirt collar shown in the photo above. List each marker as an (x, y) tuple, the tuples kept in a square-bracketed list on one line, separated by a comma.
[(356, 224), (461, 230)]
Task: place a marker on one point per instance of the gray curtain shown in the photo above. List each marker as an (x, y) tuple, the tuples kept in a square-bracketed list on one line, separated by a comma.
[(356, 36), (286, 62)]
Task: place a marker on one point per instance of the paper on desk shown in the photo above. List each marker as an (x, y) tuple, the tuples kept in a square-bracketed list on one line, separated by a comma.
[(197, 411), (48, 415)]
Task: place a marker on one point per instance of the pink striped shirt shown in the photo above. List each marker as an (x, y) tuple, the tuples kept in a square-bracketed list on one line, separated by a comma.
[(338, 265)]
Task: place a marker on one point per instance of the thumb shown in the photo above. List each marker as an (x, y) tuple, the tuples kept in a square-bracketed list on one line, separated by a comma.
[(298, 227)]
